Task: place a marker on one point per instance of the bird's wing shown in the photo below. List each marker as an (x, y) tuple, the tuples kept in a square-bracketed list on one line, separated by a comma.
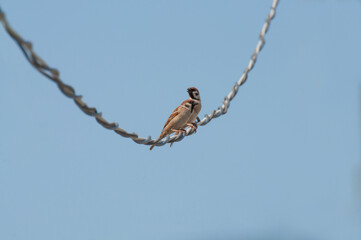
[(174, 113)]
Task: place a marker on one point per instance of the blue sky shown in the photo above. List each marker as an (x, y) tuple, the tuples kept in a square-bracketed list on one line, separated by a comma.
[(283, 163)]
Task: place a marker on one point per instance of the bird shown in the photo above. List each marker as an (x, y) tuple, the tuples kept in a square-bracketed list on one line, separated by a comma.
[(194, 95), (178, 119)]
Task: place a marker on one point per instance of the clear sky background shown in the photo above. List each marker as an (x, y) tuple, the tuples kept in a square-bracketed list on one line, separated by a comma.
[(283, 163)]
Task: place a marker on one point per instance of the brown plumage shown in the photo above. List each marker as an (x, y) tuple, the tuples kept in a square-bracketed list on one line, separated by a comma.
[(178, 119), (194, 95)]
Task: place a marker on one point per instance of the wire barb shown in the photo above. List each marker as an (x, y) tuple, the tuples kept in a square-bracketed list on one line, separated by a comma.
[(54, 75)]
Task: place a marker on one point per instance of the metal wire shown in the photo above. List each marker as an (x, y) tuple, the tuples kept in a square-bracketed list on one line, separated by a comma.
[(53, 74)]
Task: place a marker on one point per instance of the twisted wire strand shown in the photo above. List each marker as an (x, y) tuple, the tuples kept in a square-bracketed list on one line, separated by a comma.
[(54, 75)]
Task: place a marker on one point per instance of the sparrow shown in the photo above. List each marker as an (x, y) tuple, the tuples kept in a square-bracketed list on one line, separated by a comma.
[(178, 119), (193, 95)]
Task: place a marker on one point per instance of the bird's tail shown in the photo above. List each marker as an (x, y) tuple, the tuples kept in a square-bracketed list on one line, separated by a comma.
[(162, 135)]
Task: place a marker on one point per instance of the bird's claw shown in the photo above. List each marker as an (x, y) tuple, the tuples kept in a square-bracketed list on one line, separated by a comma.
[(193, 125), (179, 130)]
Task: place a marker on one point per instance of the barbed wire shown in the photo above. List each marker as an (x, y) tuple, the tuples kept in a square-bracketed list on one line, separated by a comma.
[(54, 75)]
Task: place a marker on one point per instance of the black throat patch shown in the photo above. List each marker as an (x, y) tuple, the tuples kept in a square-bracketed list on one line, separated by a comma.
[(192, 107)]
